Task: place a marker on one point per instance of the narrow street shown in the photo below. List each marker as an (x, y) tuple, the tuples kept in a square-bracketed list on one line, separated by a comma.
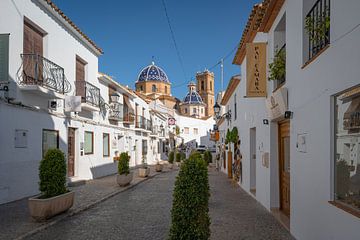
[(144, 213)]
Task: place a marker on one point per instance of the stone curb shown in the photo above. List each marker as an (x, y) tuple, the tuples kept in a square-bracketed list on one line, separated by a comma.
[(81, 209)]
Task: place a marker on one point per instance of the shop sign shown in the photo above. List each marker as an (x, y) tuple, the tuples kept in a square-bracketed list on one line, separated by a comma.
[(256, 70), (276, 104)]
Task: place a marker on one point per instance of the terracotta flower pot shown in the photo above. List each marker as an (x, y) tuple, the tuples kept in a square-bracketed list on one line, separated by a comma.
[(144, 172), (158, 167), (42, 209), (124, 180)]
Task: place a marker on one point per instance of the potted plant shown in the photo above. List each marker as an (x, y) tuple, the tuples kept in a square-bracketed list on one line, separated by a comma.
[(124, 176), (144, 170), (178, 158), (183, 156), (158, 166), (171, 159), (55, 198), (278, 66)]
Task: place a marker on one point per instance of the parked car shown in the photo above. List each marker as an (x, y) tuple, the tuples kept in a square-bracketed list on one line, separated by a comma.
[(201, 148)]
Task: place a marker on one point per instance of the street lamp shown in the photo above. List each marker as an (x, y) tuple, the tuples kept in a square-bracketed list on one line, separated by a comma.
[(114, 97), (217, 109)]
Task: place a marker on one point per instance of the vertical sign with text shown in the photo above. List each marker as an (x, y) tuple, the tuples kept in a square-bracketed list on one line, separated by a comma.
[(256, 69)]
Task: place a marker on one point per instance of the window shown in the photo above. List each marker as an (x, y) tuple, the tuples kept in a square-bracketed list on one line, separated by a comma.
[(185, 110), (202, 85), (196, 131), (166, 89), (186, 130), (153, 88), (50, 139), (106, 145), (316, 27), (347, 149), (88, 142), (202, 110), (210, 85), (235, 111), (141, 88), (194, 110)]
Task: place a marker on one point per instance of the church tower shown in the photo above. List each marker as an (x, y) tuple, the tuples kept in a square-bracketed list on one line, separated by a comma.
[(205, 87)]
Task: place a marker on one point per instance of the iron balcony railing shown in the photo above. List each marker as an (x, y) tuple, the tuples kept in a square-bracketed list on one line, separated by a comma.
[(149, 125), (37, 70), (116, 111), (89, 93), (128, 118), (317, 24)]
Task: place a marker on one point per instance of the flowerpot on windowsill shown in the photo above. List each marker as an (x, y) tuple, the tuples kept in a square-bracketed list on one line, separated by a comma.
[(45, 208), (158, 167), (124, 179), (144, 172)]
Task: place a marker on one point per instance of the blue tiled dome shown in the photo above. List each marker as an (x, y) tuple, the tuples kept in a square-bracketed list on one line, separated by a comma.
[(152, 73), (193, 98)]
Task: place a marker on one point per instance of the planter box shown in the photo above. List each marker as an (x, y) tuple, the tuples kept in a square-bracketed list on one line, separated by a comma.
[(144, 172), (124, 180), (42, 209), (158, 167)]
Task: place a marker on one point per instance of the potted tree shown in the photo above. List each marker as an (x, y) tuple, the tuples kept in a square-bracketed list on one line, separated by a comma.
[(278, 66), (55, 198), (158, 166), (178, 158), (124, 176), (171, 159), (183, 156), (144, 170)]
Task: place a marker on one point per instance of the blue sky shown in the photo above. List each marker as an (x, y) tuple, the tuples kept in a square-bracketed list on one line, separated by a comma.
[(131, 32)]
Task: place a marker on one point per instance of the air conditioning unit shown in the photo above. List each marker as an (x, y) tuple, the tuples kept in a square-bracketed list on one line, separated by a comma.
[(52, 104)]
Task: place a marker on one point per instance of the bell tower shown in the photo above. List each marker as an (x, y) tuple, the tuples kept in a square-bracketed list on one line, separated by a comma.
[(205, 87)]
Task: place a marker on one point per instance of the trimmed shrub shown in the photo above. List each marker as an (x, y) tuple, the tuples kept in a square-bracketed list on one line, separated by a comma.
[(171, 157), (208, 157), (178, 157), (183, 156), (52, 174), (190, 210), (123, 164)]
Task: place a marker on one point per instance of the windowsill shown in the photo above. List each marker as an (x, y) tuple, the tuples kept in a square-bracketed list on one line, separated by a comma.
[(315, 56), (345, 208), (278, 87)]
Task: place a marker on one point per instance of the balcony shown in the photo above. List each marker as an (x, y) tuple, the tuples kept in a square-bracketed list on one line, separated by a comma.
[(116, 112), (90, 95), (143, 123), (317, 26), (43, 77)]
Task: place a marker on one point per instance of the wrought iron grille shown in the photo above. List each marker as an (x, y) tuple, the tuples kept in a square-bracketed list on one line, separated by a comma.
[(116, 111), (37, 70), (317, 24), (89, 93)]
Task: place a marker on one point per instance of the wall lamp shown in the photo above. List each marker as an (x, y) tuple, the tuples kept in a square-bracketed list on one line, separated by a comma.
[(288, 114), (217, 109), (265, 121)]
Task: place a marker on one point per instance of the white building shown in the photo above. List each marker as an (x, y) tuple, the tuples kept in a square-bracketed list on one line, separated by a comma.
[(46, 59), (293, 163)]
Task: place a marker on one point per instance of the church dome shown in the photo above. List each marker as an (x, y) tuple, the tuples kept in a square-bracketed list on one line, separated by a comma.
[(152, 73), (193, 96)]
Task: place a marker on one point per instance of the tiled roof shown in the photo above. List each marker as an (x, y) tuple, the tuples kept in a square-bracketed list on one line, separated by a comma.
[(249, 33), (234, 81), (72, 24)]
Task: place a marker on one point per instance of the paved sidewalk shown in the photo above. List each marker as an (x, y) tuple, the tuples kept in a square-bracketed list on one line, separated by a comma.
[(235, 214), (15, 221)]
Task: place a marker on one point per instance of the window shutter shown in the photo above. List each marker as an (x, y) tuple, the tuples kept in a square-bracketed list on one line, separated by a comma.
[(4, 57)]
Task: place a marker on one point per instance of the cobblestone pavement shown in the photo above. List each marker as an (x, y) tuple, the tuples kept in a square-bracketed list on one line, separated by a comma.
[(15, 220), (236, 215), (142, 212)]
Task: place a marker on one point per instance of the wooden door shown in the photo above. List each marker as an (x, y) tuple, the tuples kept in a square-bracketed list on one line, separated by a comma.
[(71, 152), (32, 64), (284, 166), (229, 164)]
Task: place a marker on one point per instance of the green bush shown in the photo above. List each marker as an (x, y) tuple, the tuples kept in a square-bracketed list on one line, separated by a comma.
[(207, 157), (183, 156), (178, 157), (52, 174), (190, 210), (171, 157), (123, 164)]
